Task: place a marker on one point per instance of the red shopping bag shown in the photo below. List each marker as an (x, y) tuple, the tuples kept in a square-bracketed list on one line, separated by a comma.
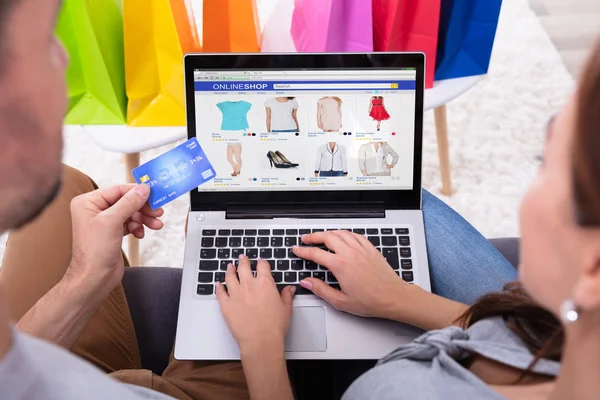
[(408, 25)]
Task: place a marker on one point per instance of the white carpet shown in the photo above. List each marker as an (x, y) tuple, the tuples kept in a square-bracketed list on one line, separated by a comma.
[(496, 133)]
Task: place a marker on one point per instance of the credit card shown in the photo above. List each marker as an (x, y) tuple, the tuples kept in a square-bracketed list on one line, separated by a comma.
[(175, 173)]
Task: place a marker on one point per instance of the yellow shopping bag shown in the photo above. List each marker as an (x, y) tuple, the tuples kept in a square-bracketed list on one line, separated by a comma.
[(157, 35)]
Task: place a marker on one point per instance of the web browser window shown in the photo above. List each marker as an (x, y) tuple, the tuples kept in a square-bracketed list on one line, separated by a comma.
[(307, 130)]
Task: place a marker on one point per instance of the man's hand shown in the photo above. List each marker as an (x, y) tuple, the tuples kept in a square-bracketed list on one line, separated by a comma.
[(257, 316), (100, 221), (370, 288)]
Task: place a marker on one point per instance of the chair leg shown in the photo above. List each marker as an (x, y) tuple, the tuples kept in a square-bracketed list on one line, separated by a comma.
[(441, 127), (132, 161)]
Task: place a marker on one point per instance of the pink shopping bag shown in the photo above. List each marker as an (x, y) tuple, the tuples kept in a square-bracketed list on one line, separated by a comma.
[(332, 26)]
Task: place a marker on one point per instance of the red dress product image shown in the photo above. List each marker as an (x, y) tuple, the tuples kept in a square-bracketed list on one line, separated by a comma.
[(378, 111)]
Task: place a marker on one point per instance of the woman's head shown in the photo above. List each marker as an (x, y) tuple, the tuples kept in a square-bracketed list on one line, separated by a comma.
[(560, 215)]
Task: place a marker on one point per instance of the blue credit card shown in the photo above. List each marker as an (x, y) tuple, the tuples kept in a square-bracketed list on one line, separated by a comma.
[(175, 173)]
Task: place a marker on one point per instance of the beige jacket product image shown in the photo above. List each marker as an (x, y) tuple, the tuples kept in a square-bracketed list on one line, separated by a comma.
[(376, 162)]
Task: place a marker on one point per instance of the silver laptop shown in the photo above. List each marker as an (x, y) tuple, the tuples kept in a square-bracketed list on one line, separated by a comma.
[(302, 143)]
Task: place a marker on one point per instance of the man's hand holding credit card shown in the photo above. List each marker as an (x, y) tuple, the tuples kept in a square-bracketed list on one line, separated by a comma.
[(175, 173)]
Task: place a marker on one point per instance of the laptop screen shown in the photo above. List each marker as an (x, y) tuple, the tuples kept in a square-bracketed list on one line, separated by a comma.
[(307, 130)]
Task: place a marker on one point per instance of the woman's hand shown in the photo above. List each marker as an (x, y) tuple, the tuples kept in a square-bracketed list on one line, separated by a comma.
[(256, 314), (370, 287), (259, 318), (100, 221)]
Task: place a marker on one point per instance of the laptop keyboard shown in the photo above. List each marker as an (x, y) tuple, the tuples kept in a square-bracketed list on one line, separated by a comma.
[(224, 246)]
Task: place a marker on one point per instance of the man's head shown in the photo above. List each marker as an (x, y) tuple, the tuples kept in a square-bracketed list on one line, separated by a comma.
[(33, 102)]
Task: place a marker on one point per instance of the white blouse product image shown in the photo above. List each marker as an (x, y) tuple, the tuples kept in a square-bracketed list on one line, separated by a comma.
[(329, 114), (331, 160), (374, 159), (282, 114)]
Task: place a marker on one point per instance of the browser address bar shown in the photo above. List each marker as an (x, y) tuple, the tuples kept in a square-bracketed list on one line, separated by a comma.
[(332, 86)]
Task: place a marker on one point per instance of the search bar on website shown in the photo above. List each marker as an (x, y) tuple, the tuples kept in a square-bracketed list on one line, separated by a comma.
[(333, 86)]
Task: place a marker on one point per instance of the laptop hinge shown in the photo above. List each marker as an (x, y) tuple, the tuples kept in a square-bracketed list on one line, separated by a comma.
[(312, 211)]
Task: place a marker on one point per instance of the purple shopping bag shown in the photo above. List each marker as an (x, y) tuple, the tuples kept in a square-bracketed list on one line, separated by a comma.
[(332, 26)]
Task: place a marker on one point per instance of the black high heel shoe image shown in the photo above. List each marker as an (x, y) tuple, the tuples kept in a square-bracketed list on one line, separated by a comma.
[(277, 162), (280, 154)]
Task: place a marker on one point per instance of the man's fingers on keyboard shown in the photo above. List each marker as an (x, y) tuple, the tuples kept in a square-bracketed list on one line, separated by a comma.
[(324, 291), (244, 270), (263, 269), (317, 255)]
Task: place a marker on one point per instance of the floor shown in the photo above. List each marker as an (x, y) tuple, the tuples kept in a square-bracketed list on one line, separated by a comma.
[(573, 26)]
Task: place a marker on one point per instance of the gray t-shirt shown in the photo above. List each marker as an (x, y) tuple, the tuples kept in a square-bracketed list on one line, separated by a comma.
[(34, 369), (429, 367)]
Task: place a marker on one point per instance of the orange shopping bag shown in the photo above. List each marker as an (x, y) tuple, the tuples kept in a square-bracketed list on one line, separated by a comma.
[(230, 26), (157, 35)]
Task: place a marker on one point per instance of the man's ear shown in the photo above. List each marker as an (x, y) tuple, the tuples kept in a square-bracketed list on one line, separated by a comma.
[(586, 292)]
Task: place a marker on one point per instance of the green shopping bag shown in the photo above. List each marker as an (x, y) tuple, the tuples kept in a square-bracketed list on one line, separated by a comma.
[(92, 33)]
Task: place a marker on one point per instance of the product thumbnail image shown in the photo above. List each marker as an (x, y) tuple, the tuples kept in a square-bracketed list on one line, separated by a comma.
[(331, 160), (377, 110), (278, 160), (282, 115), (234, 157), (377, 159), (235, 115), (329, 114)]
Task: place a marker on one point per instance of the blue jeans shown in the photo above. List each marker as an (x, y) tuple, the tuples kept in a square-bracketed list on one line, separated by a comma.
[(462, 263), (331, 173)]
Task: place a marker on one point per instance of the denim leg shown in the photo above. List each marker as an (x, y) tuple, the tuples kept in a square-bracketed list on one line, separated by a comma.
[(463, 264)]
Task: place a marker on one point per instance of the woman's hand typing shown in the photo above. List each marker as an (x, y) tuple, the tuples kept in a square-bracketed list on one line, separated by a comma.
[(369, 286)]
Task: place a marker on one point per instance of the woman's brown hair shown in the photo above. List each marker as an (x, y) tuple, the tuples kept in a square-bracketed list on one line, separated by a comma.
[(539, 329)]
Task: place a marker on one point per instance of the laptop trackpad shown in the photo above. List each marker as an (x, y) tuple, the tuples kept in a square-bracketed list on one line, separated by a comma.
[(308, 331)]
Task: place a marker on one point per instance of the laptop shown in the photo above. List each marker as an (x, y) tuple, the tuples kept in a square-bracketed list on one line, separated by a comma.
[(302, 143)]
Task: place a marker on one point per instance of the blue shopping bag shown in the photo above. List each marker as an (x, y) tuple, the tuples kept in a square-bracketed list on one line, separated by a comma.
[(466, 37)]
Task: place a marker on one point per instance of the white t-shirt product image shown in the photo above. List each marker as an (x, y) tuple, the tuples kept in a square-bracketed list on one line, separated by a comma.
[(282, 118)]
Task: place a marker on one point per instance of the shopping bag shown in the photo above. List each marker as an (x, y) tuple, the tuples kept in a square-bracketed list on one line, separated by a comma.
[(332, 26), (157, 35), (230, 26), (92, 33), (408, 25), (277, 35), (467, 33)]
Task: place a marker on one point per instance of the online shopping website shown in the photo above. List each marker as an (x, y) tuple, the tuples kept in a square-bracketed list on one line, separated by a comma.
[(307, 130)]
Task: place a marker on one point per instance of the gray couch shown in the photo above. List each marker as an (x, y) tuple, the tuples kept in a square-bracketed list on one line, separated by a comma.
[(153, 297)]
